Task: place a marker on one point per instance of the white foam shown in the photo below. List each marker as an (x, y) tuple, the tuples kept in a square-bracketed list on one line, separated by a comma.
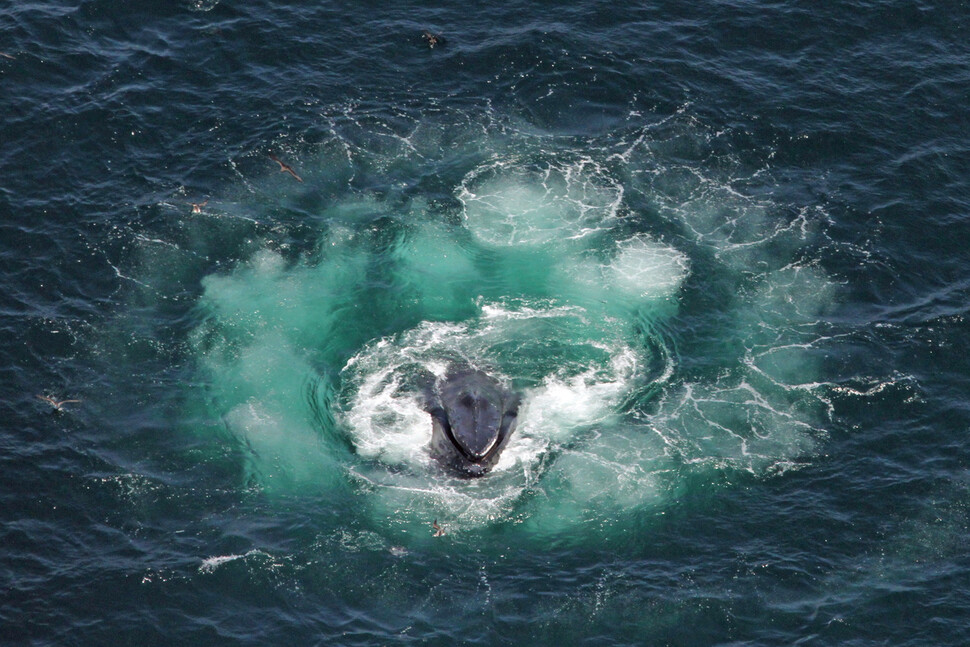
[(563, 405), (647, 269), (386, 424), (510, 204), (210, 564)]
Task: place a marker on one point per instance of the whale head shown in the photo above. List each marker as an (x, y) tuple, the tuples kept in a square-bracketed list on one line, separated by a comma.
[(472, 417)]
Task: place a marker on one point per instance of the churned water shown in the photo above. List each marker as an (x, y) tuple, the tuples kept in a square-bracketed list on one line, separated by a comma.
[(717, 248)]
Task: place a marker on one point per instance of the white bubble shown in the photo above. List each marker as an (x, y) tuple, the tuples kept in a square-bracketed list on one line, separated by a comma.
[(646, 269), (506, 204)]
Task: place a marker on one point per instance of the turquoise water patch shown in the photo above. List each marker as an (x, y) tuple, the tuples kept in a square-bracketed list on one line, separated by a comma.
[(542, 274)]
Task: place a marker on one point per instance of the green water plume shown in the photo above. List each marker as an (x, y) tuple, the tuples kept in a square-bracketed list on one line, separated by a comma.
[(542, 271)]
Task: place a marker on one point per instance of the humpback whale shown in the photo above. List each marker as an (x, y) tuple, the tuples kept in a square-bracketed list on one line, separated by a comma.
[(472, 417)]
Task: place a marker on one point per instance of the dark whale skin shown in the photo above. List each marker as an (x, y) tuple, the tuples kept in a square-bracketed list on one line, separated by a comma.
[(473, 416)]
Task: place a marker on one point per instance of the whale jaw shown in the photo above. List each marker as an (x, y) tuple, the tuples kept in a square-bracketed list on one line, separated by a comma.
[(472, 417)]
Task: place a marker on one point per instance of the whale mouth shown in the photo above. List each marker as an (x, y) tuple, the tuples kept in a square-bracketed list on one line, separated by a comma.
[(473, 415)]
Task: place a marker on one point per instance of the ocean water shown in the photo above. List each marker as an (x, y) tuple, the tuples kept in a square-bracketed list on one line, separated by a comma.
[(718, 248)]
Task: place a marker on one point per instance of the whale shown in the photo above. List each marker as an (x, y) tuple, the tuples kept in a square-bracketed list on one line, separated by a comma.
[(473, 415)]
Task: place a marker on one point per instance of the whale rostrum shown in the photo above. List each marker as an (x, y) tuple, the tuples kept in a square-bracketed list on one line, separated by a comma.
[(472, 417)]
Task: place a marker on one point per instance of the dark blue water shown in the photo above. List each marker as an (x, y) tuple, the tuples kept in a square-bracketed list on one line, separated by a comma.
[(719, 248)]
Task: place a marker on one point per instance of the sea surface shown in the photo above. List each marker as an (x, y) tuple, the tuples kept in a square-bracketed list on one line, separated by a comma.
[(720, 249)]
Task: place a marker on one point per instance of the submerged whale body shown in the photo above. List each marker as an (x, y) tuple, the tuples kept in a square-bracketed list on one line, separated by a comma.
[(472, 417)]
